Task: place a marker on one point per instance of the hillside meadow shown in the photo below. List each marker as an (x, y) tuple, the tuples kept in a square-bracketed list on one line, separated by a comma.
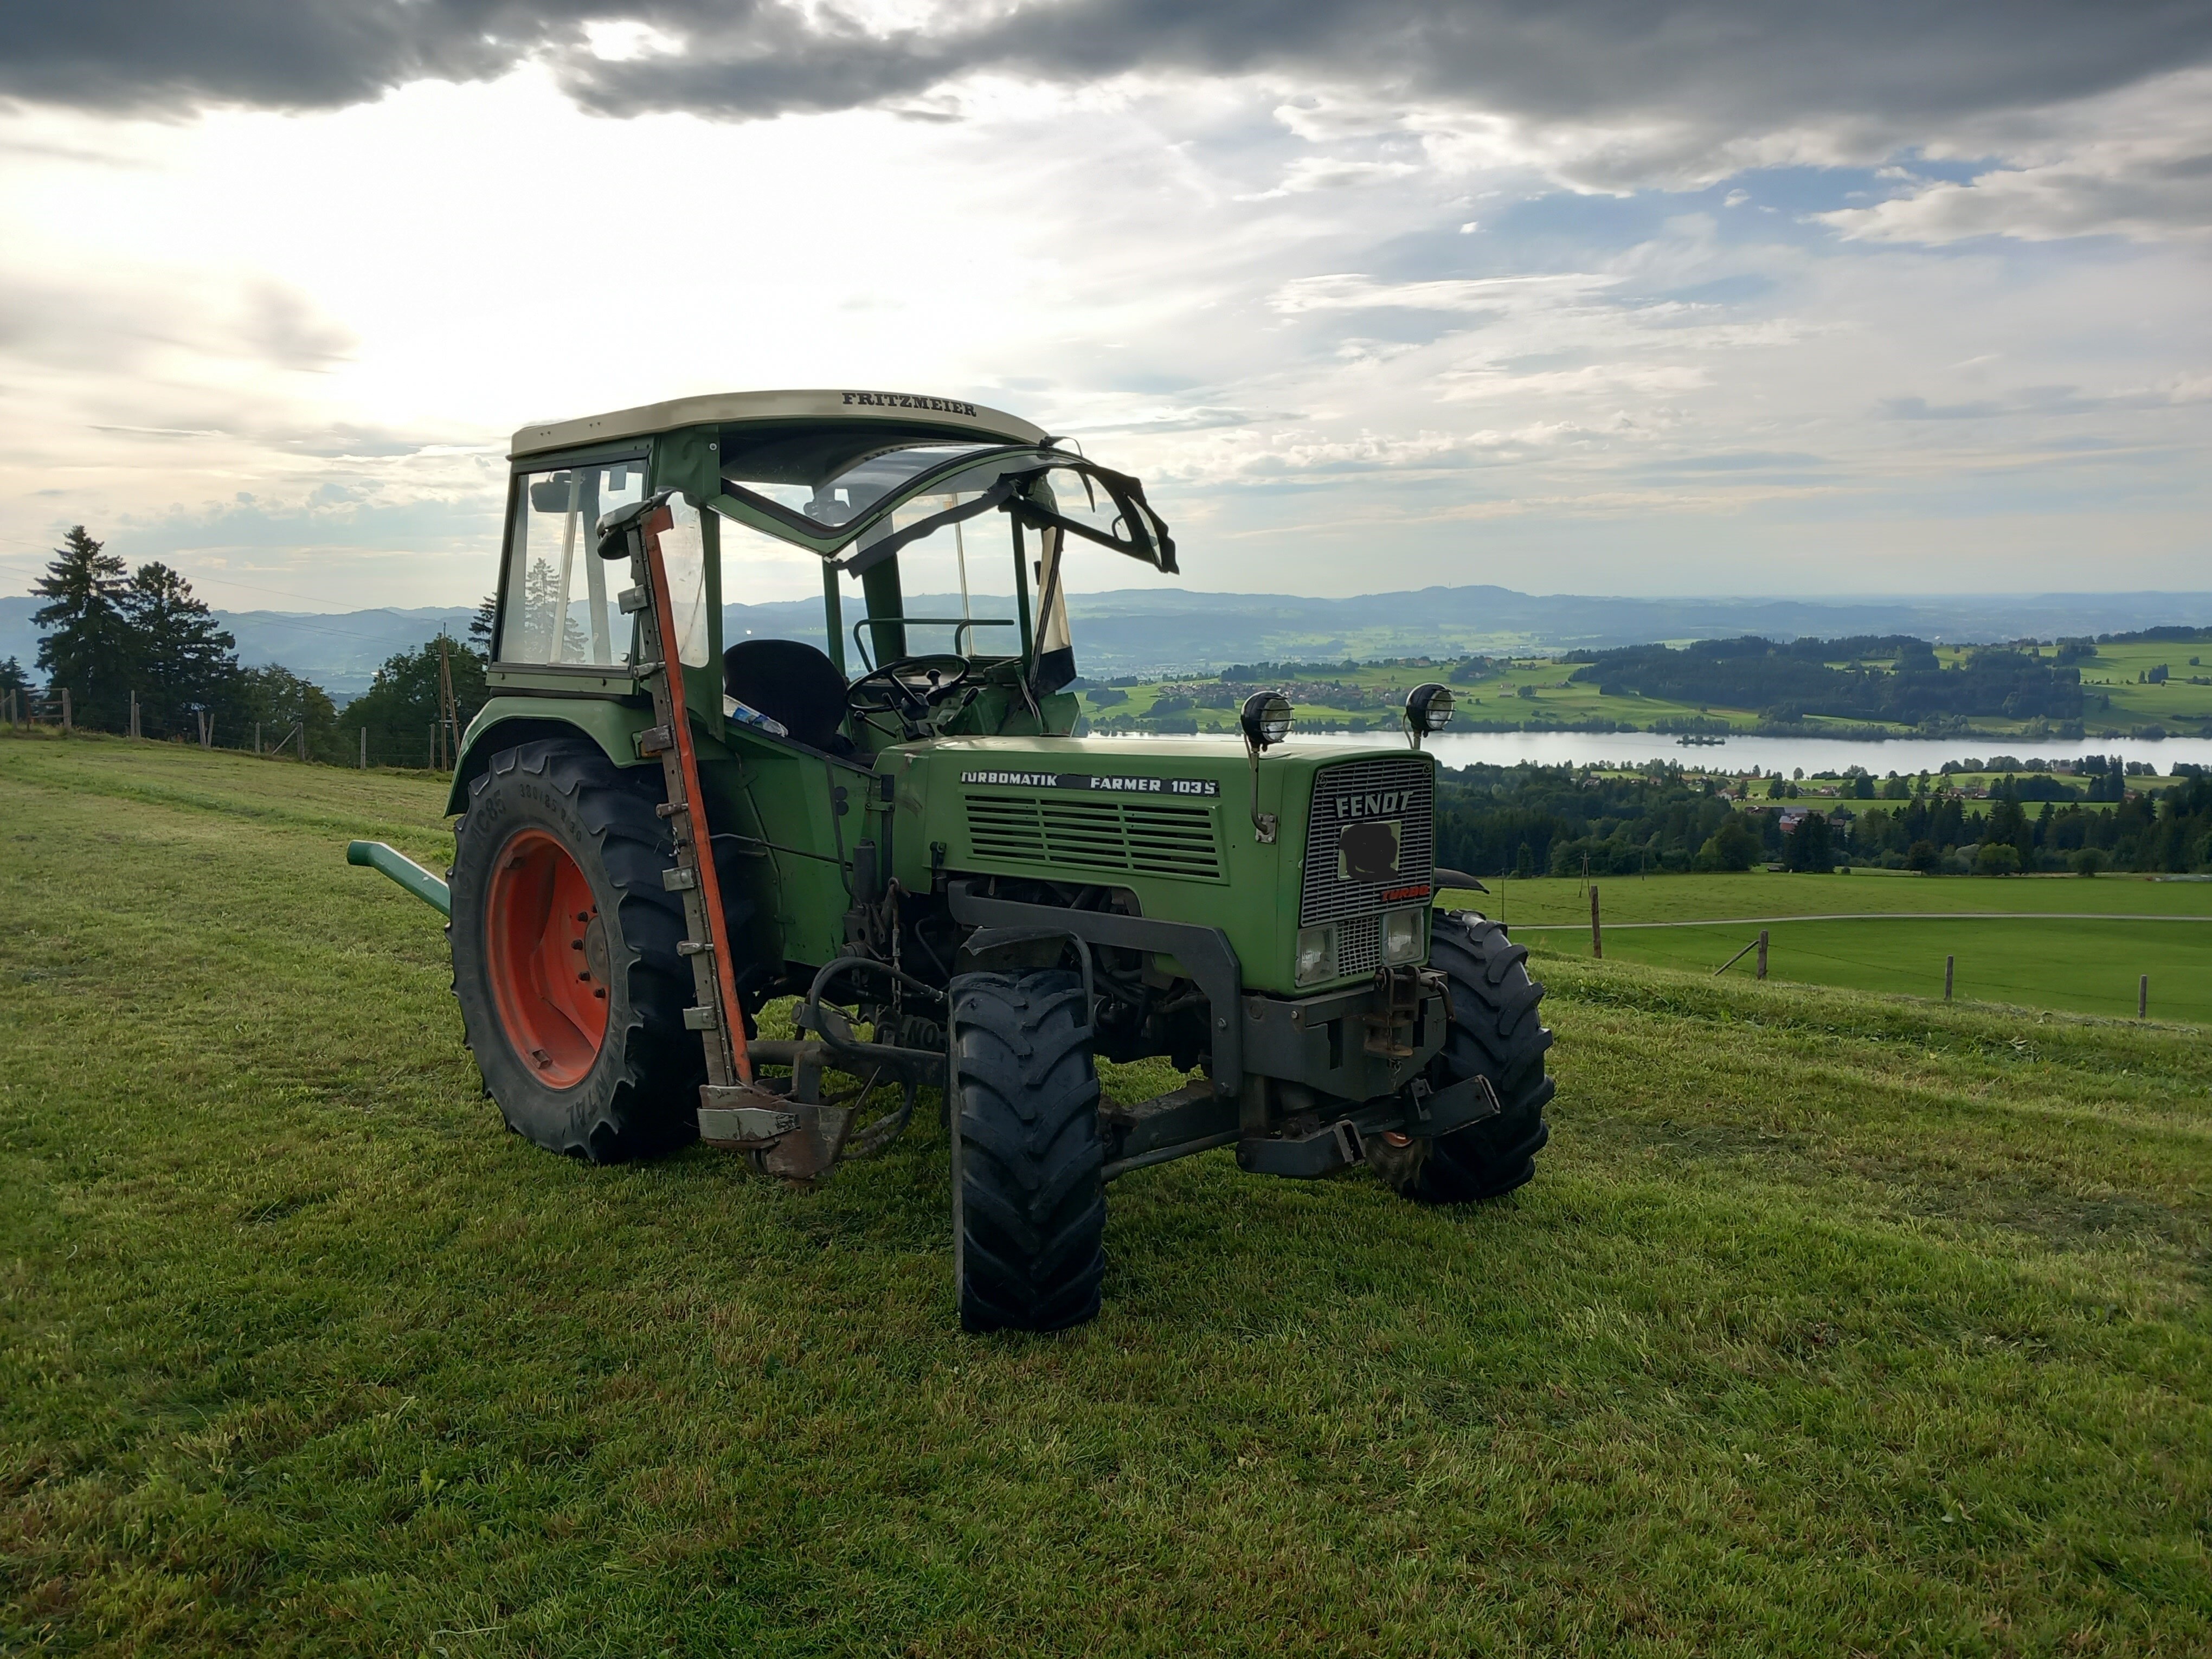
[(1538, 691), (1832, 1322)]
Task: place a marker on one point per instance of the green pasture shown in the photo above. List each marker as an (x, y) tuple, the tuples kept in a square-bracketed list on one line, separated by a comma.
[(1554, 697), (2077, 959), (1765, 893), (2083, 966), (1831, 1323), (2112, 672)]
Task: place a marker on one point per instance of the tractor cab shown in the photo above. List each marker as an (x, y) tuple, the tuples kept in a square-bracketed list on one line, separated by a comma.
[(875, 490)]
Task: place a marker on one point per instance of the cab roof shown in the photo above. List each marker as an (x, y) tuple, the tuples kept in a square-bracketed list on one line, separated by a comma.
[(897, 412)]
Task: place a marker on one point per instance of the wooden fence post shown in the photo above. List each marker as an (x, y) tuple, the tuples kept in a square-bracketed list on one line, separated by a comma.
[(1762, 953), (69, 720), (2142, 999), (1597, 939), (134, 713), (364, 749), (1950, 963)]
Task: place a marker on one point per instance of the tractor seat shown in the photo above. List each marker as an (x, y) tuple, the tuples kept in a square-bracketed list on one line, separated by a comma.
[(792, 683)]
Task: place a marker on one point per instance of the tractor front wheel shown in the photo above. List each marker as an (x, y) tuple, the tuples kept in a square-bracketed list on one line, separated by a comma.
[(565, 964), (1029, 1193), (1494, 1032)]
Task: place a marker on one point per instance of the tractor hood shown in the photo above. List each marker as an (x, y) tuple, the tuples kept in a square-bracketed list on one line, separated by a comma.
[(1320, 835)]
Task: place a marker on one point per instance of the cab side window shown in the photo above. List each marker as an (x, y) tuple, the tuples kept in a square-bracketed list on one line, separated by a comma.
[(555, 606)]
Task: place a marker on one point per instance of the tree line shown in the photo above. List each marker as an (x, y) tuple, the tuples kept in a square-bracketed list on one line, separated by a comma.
[(1892, 678), (111, 636), (1559, 821)]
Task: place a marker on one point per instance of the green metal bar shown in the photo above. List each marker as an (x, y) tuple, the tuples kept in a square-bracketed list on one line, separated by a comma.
[(886, 605), (1022, 599), (834, 610), (413, 877)]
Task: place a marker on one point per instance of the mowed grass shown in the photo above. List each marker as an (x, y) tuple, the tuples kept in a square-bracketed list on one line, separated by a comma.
[(2079, 966), (1566, 900), (2056, 943), (1831, 1323)]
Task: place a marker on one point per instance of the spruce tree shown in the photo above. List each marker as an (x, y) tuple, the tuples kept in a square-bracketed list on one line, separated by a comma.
[(541, 599), (87, 648), (182, 660), (480, 626)]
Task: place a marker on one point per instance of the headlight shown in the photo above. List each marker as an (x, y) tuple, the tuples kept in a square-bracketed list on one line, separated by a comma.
[(1402, 937), (1316, 954), (1266, 718), (1429, 708)]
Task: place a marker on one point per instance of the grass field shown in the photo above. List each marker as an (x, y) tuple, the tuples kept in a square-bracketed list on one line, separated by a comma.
[(2051, 947), (1831, 1323)]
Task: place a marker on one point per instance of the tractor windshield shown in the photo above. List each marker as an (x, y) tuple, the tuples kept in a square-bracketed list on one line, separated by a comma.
[(840, 499), (927, 528)]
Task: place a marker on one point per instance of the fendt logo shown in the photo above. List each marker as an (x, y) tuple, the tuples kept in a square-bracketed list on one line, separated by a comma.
[(1382, 804)]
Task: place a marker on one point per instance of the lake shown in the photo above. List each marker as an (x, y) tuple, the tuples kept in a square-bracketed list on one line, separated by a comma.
[(1738, 755)]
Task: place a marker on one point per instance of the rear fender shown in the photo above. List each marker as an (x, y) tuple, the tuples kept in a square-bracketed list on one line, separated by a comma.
[(507, 721)]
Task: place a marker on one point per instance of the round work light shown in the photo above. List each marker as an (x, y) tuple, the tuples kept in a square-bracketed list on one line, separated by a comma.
[(1429, 708), (1266, 718)]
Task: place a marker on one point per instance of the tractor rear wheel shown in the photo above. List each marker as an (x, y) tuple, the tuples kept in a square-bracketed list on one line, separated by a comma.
[(1030, 1198), (1494, 1032), (565, 964)]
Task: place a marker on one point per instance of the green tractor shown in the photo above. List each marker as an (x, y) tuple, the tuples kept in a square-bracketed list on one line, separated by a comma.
[(663, 830)]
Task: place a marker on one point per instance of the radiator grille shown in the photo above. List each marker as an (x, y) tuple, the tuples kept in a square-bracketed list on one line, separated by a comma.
[(1145, 838), (1353, 886)]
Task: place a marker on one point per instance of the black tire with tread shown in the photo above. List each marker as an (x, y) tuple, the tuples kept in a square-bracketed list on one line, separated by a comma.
[(1494, 1032), (641, 1097), (1032, 1200)]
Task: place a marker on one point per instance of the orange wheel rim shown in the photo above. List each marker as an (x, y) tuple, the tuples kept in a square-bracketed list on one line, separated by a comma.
[(545, 947)]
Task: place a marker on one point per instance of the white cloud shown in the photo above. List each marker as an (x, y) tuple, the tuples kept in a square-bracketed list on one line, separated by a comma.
[(1310, 172), (1349, 291), (279, 305), (2136, 164)]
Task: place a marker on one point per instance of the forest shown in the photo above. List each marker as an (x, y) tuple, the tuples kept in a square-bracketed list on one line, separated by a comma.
[(139, 644), (1886, 678)]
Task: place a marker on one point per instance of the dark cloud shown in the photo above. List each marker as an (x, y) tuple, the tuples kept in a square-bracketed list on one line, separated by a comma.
[(1740, 64)]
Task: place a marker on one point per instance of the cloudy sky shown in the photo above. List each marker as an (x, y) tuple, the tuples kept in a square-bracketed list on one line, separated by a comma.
[(1589, 296)]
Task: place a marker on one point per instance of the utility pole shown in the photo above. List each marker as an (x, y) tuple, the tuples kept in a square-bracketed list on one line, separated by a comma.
[(446, 708)]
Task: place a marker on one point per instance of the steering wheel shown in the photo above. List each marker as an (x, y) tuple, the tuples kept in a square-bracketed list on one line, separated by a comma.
[(910, 687)]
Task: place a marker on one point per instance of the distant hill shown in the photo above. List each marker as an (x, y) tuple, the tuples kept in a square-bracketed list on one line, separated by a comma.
[(1138, 630), (340, 651)]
